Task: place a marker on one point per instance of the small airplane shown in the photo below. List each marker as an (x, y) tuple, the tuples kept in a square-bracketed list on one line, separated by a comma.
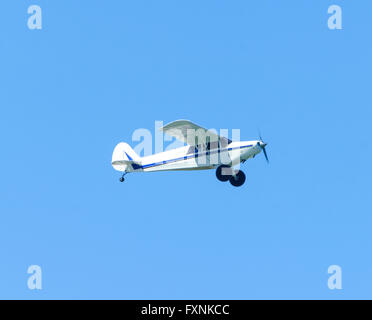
[(204, 150)]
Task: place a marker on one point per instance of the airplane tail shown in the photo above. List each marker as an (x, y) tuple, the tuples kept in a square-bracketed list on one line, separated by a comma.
[(124, 156)]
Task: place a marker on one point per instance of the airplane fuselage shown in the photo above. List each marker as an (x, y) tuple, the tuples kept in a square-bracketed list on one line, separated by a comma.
[(194, 158)]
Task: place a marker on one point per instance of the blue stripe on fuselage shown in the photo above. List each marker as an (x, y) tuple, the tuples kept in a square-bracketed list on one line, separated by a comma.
[(186, 157)]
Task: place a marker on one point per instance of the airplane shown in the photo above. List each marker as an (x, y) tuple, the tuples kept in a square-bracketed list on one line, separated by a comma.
[(203, 150)]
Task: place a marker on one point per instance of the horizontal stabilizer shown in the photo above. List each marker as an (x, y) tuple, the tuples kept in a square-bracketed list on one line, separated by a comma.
[(125, 162), (124, 158)]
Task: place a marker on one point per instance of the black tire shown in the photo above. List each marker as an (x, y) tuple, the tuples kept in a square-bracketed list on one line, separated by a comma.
[(222, 177), (238, 180)]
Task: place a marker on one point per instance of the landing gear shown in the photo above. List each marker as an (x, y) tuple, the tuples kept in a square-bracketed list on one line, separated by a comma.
[(223, 173), (122, 177), (238, 178)]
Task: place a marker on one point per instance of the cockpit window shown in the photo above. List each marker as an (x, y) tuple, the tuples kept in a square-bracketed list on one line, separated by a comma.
[(224, 142), (191, 150), (213, 145)]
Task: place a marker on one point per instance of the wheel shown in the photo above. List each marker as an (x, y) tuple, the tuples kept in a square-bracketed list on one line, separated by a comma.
[(223, 172), (121, 179), (238, 180)]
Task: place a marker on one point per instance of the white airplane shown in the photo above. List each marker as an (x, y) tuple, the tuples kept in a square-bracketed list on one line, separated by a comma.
[(205, 149)]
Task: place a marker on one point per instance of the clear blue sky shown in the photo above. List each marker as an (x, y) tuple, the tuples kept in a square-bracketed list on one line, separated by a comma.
[(98, 70)]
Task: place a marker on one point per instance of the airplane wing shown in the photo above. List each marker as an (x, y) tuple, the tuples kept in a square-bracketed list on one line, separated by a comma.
[(183, 130)]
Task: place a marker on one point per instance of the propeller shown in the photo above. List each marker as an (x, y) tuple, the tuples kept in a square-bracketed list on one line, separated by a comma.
[(262, 146)]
